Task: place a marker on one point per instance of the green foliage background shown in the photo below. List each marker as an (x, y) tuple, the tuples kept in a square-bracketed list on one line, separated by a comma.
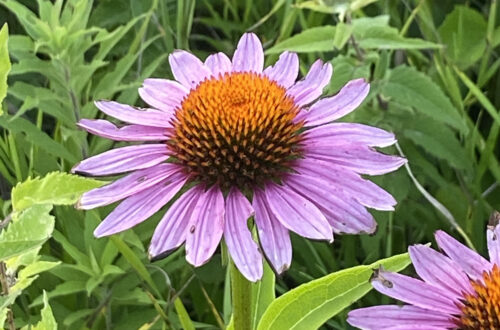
[(434, 69)]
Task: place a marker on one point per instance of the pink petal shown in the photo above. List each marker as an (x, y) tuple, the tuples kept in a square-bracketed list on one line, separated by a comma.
[(219, 64), (358, 158), (344, 214), (337, 106), (249, 55), (297, 213), (243, 249), (172, 230), (311, 87), (273, 236), (187, 68), (129, 114), (348, 133), (285, 70), (471, 262), (126, 186), (436, 269), (389, 316), (205, 227), (493, 238), (108, 130), (415, 292), (163, 94), (122, 160), (137, 208), (364, 191)]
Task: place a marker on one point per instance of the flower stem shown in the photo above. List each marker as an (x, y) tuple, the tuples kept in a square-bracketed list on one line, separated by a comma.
[(242, 300)]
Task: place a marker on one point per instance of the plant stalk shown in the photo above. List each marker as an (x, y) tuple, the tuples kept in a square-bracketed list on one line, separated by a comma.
[(241, 290)]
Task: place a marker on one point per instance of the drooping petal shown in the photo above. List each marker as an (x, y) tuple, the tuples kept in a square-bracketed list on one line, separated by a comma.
[(128, 185), (285, 70), (187, 68), (471, 262), (364, 191), (129, 114), (243, 249), (311, 87), (108, 130), (297, 213), (163, 94), (389, 316), (358, 158), (137, 208), (219, 63), (123, 159), (344, 214), (334, 134), (414, 292), (493, 238), (172, 229), (205, 227), (273, 236), (337, 106), (249, 55), (436, 269)]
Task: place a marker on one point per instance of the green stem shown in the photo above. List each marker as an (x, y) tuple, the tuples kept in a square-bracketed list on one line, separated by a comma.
[(242, 300)]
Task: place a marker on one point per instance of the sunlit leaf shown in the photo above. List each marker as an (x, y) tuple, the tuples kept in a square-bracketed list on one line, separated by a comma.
[(4, 63)]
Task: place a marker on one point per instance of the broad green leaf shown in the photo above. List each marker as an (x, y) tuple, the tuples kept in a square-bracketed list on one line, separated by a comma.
[(27, 231), (184, 318), (37, 268), (409, 87), (55, 188), (386, 37), (312, 304), (4, 63), (262, 294), (48, 322)]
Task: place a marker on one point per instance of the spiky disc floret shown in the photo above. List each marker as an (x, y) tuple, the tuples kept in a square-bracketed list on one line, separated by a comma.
[(236, 130)]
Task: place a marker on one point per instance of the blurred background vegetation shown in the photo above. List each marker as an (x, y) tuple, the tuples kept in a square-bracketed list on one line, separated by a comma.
[(434, 69)]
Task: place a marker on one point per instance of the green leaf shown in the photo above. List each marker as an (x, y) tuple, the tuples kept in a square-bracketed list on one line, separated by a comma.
[(27, 231), (262, 294), (312, 304), (48, 321), (186, 322), (55, 188), (386, 37), (4, 63), (409, 87)]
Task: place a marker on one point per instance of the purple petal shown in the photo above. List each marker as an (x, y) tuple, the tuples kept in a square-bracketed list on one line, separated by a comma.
[(311, 87), (137, 208), (337, 106), (285, 70), (163, 94), (358, 158), (243, 249), (436, 269), (219, 64), (205, 227), (129, 114), (364, 191), (273, 236), (493, 238), (108, 130), (172, 230), (126, 186), (414, 292), (348, 133), (249, 55), (388, 316), (344, 214), (297, 213), (187, 68), (122, 160), (471, 262)]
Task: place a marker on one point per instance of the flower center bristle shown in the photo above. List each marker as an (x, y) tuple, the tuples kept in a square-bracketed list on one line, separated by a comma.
[(481, 310), (236, 130)]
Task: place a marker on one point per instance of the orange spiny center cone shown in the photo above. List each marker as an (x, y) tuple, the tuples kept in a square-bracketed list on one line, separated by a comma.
[(236, 130), (481, 310)]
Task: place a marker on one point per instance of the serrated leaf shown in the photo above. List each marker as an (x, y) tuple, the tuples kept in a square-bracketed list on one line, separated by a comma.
[(312, 304), (55, 188), (48, 322), (4, 63)]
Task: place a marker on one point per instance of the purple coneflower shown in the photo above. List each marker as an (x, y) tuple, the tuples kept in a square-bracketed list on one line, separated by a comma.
[(245, 141), (457, 291)]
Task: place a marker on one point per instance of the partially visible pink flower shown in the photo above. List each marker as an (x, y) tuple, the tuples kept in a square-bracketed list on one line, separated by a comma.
[(459, 290), (245, 141)]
